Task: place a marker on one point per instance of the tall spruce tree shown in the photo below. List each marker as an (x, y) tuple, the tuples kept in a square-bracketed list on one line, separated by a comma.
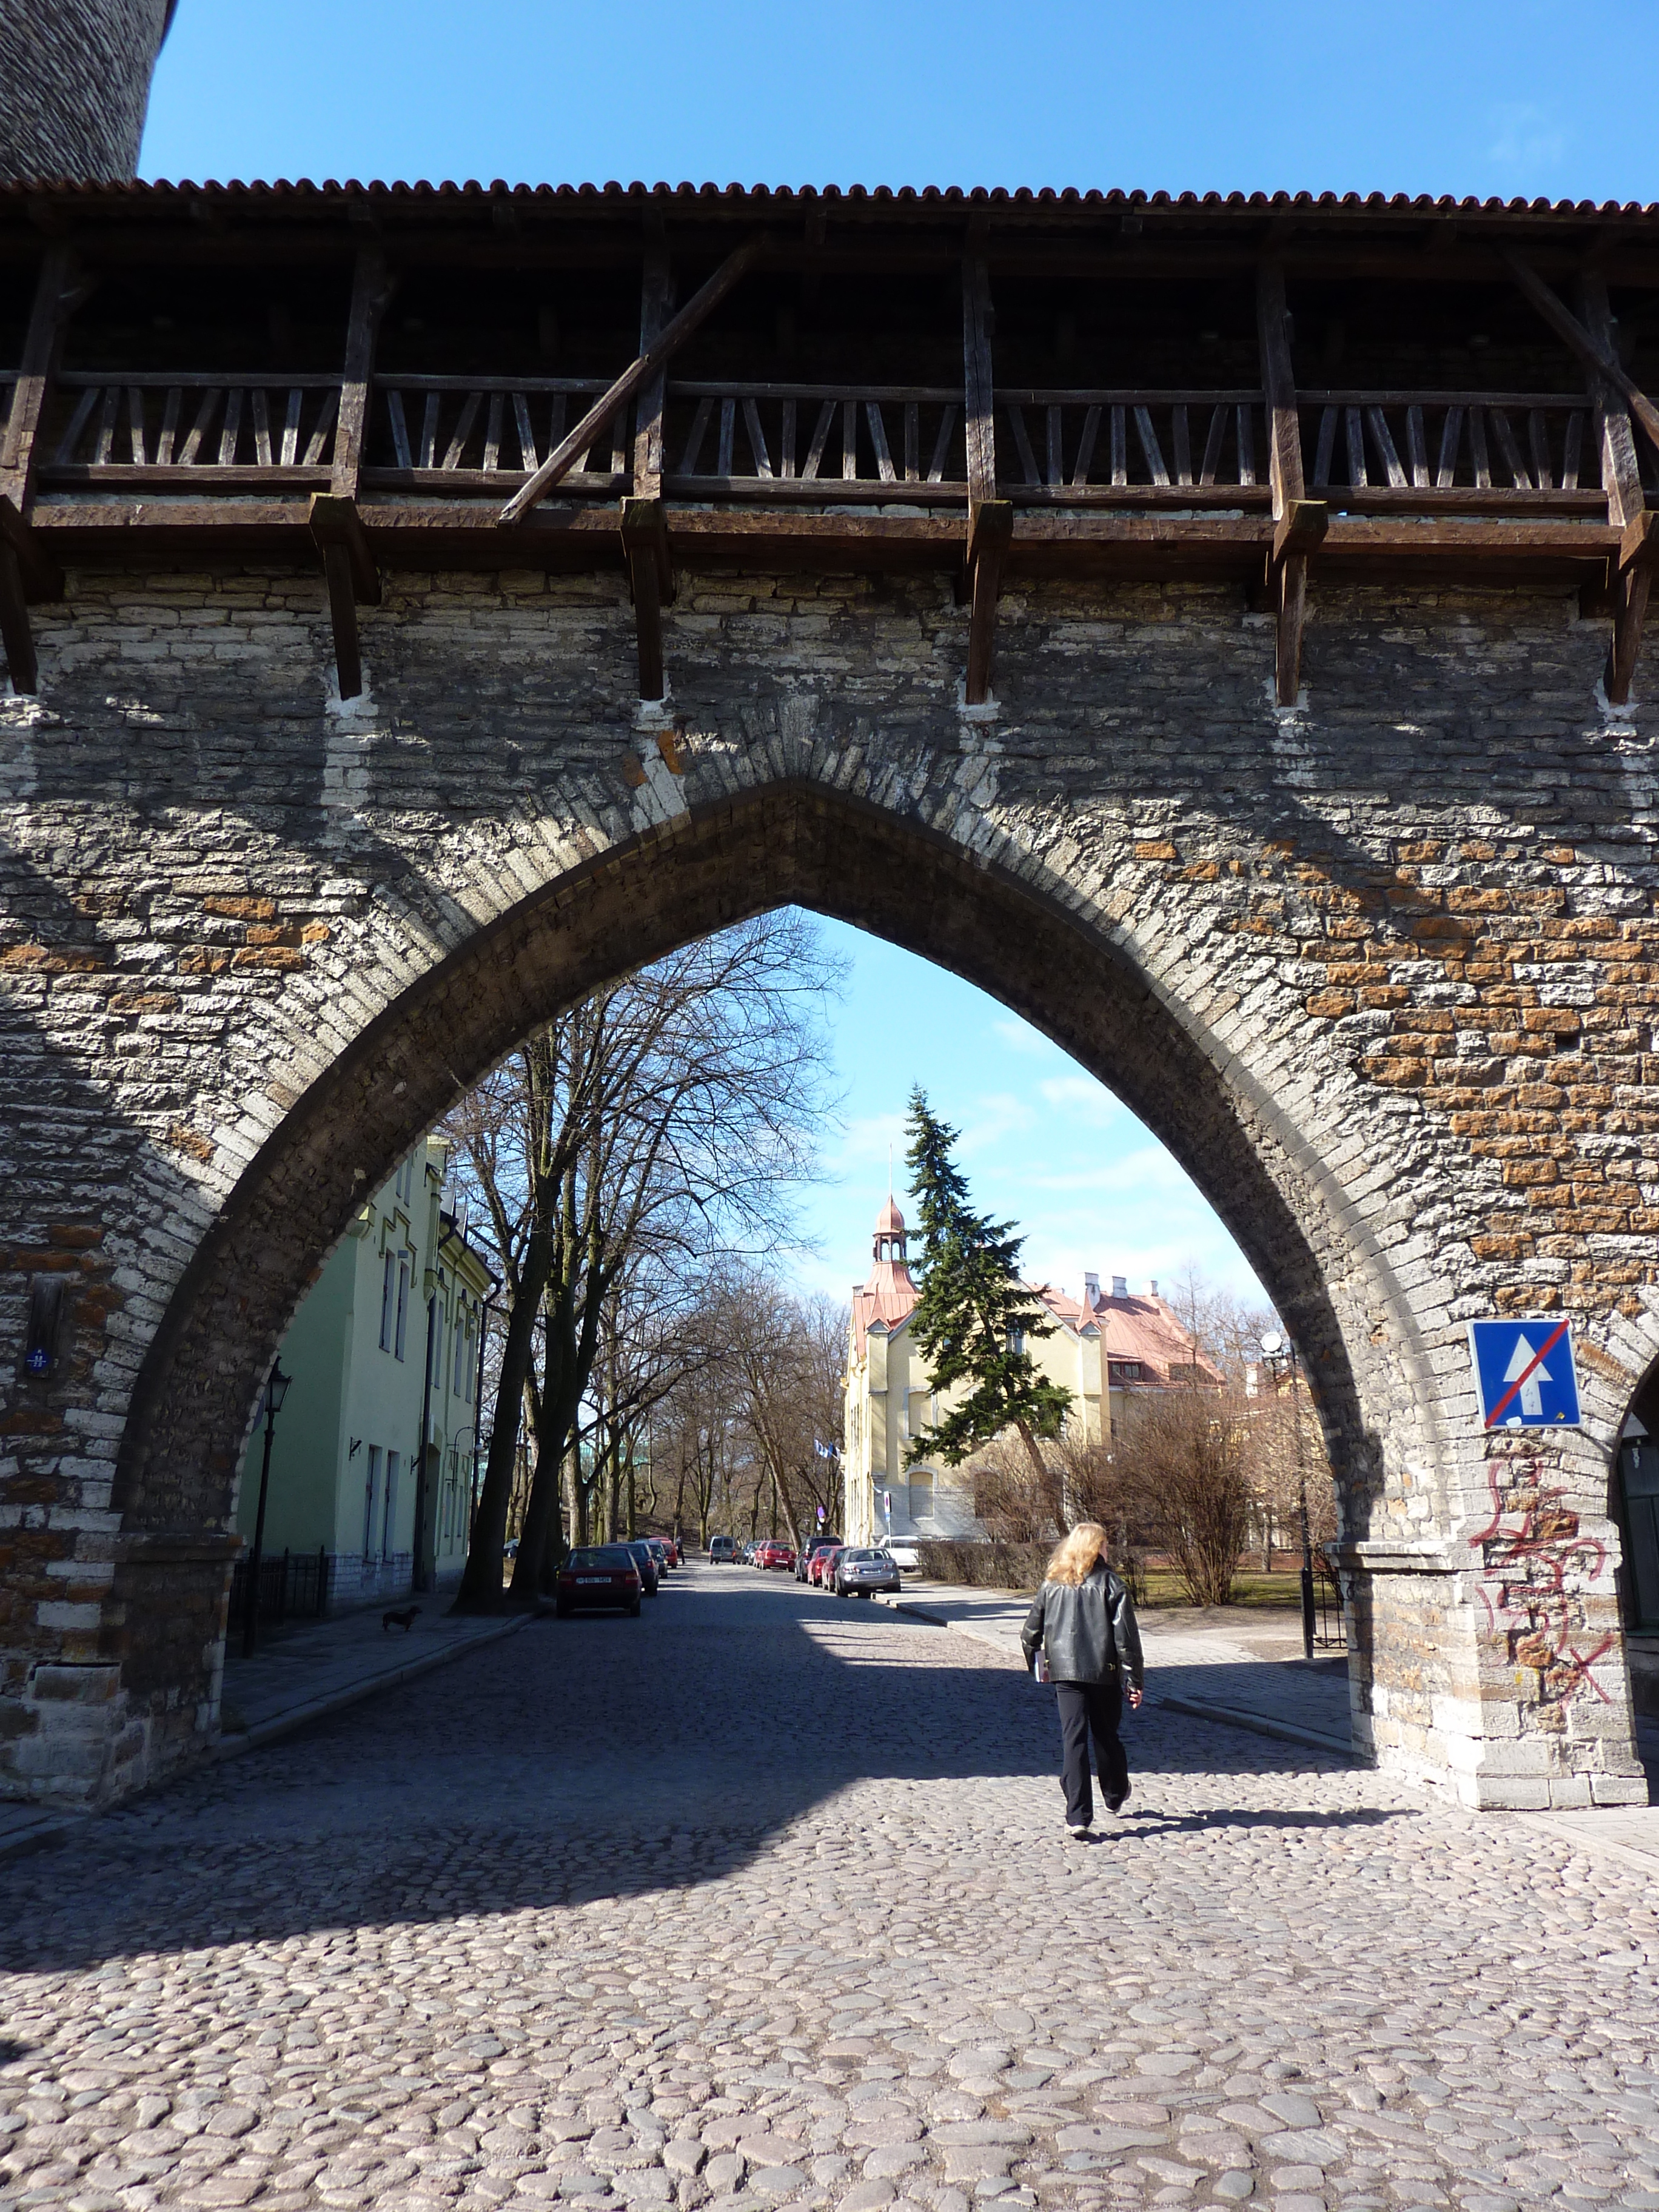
[(974, 1315)]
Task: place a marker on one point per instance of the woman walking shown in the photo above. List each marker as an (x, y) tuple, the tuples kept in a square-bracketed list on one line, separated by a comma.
[(1083, 1620)]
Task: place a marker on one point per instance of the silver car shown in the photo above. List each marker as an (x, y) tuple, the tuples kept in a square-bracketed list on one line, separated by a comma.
[(861, 1574)]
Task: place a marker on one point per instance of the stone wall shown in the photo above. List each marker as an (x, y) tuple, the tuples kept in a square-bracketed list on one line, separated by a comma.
[(74, 85), (1378, 968)]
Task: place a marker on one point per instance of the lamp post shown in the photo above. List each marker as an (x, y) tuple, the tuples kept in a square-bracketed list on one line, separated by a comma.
[(1280, 1352), (276, 1391)]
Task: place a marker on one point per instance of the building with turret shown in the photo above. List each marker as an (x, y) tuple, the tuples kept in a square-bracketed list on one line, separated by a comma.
[(1105, 1345)]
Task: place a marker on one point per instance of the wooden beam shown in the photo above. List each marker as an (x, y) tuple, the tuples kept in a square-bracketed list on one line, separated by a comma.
[(656, 302), (634, 378), (371, 291), (352, 578), (57, 292), (990, 535), (39, 574), (1299, 523), (651, 576), (1594, 346), (1629, 575), (14, 632)]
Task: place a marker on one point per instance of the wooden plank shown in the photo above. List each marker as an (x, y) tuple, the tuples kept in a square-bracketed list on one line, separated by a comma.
[(290, 449), (521, 424), (1621, 473), (1015, 418), (758, 454), (786, 440), (1120, 454), (1152, 451), (394, 410), (167, 436), (104, 439), (1383, 442), (1572, 452), (1088, 439), (979, 386), (39, 576), (912, 441), (1479, 458), (230, 431), (1246, 421), (1287, 566), (16, 633), (849, 440), (728, 427), (57, 292), (942, 443), (989, 537), (463, 430), (428, 448), (492, 445), (371, 291), (885, 468), (656, 305), (136, 434), (1353, 432), (639, 373), (352, 581), (651, 579), (263, 456), (1182, 434), (1416, 447), (77, 423), (1451, 438), (1055, 455), (695, 437), (1213, 442), (1325, 445), (1538, 448), (1520, 476), (1594, 346)]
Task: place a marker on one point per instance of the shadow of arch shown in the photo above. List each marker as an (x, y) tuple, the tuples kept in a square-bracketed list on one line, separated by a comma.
[(789, 842)]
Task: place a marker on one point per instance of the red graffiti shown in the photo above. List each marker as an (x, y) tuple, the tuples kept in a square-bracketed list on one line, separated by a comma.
[(1531, 1563)]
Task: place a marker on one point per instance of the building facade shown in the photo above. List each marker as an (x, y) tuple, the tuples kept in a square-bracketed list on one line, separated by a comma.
[(1103, 1347), (383, 1354)]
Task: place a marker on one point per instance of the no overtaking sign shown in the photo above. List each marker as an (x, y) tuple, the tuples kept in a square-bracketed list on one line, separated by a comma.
[(1524, 1372)]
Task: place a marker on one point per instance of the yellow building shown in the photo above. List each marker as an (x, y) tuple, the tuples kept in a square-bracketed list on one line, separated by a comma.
[(1101, 1347)]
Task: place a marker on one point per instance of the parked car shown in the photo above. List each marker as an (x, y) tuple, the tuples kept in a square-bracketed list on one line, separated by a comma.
[(861, 1573), (823, 1565), (809, 1551), (721, 1551), (599, 1577), (646, 1564), (905, 1557), (773, 1554), (659, 1554), (746, 1556), (676, 1556)]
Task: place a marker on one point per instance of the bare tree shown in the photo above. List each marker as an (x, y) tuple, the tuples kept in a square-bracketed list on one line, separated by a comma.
[(1185, 1457), (669, 1119)]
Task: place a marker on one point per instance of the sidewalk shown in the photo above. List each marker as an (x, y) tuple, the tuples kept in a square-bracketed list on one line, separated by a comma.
[(1250, 1674), (301, 1674)]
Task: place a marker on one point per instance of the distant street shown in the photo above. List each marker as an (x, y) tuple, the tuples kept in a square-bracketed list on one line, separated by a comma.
[(765, 1899)]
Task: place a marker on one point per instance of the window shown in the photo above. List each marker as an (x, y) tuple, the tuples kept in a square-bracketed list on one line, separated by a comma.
[(458, 1354), (403, 1309), (921, 1494), (1125, 1370), (388, 1292), (403, 1181), (1016, 1343), (468, 1380), (371, 1484), (389, 1526)]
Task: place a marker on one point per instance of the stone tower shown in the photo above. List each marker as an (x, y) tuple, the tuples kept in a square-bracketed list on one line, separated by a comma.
[(74, 83)]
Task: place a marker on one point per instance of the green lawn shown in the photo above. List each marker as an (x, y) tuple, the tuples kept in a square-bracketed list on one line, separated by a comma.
[(1251, 1589)]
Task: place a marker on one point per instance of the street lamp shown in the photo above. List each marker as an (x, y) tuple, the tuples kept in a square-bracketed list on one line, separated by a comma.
[(1280, 1352), (276, 1391)]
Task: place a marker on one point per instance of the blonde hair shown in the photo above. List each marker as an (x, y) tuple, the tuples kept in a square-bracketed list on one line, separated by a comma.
[(1074, 1555)]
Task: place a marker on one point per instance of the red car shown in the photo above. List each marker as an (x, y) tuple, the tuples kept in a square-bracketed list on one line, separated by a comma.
[(600, 1577), (823, 1569), (774, 1554)]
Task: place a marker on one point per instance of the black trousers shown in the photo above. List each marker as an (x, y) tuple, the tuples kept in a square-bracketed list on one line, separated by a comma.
[(1088, 1709)]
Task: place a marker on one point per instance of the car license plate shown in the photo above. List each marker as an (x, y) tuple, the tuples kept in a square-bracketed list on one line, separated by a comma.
[(586, 1582)]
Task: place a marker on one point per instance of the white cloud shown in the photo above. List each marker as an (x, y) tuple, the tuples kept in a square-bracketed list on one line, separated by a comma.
[(1020, 1036), (1527, 138), (1082, 1098)]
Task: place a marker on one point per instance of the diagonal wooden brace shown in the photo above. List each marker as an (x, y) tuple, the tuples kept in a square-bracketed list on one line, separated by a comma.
[(1639, 552), (27, 573), (990, 534), (352, 578), (1296, 534), (651, 578)]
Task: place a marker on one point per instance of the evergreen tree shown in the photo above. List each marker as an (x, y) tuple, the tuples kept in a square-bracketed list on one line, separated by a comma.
[(974, 1315)]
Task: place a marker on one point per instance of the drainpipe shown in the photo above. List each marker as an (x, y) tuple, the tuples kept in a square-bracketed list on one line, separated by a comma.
[(420, 1577)]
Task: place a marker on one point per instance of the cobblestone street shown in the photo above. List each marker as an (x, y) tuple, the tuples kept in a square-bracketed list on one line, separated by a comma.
[(763, 1900)]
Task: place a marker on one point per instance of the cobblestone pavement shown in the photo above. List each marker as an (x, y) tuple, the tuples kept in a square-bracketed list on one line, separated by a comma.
[(765, 1900)]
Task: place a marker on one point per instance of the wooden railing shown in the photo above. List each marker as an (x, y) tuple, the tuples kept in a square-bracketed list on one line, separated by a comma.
[(207, 432), (1426, 451), (454, 436)]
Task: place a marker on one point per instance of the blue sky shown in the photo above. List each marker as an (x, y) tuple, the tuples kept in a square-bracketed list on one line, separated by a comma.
[(1511, 97)]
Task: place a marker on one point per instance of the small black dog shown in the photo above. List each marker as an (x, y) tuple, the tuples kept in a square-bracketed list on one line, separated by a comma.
[(405, 1620)]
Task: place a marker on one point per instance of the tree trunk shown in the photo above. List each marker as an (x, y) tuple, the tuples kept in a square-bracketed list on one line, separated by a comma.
[(480, 1589), (1040, 1468)]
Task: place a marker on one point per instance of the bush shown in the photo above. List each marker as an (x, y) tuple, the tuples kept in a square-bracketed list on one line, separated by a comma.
[(995, 1566)]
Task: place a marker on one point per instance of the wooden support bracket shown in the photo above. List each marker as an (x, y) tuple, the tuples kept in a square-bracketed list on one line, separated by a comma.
[(1592, 347), (1632, 580), (1298, 530), (1299, 523), (990, 533), (651, 578), (28, 574), (352, 578)]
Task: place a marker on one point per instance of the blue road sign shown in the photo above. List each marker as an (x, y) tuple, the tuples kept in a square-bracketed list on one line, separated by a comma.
[(1524, 1373)]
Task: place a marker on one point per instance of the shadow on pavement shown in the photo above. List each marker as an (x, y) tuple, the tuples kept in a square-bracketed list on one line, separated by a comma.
[(584, 1759)]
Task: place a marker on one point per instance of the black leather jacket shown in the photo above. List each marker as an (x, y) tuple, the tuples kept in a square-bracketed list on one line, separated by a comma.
[(1088, 1633)]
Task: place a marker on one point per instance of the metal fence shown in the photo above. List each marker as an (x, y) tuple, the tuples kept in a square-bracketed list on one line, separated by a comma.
[(292, 1587)]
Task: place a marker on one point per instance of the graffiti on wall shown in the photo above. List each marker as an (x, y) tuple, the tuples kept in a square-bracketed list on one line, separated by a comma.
[(1537, 1561)]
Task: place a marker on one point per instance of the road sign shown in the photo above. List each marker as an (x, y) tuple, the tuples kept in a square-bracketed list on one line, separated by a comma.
[(821, 1513), (1524, 1372)]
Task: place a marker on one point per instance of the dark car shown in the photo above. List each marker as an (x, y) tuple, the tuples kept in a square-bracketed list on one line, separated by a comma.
[(721, 1551), (808, 1550), (600, 1577), (645, 1560), (861, 1573)]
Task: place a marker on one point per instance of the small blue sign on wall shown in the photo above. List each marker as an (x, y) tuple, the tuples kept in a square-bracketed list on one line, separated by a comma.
[(1524, 1372)]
